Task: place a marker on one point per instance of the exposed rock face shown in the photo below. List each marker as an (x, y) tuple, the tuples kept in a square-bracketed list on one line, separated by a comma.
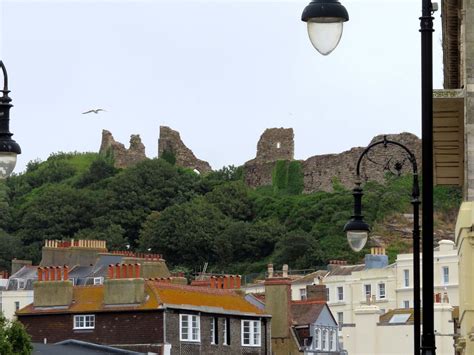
[(320, 170), (123, 157), (170, 141)]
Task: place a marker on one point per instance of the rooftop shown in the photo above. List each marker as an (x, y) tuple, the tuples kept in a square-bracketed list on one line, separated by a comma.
[(158, 295)]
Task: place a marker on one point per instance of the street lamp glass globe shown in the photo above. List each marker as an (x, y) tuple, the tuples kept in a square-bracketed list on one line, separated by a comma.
[(357, 239), (7, 163), (325, 33)]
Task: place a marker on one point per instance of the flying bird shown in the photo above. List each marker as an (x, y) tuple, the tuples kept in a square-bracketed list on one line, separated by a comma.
[(96, 111)]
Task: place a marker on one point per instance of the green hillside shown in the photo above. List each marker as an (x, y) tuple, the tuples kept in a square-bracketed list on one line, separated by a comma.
[(193, 219)]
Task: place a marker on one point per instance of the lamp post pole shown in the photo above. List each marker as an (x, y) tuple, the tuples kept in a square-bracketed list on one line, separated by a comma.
[(357, 230), (325, 19), (426, 28)]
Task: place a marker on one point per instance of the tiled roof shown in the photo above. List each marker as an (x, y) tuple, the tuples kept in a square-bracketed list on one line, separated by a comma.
[(306, 312), (90, 299), (181, 295)]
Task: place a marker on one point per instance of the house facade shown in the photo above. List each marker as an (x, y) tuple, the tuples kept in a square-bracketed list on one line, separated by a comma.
[(303, 326), (132, 313)]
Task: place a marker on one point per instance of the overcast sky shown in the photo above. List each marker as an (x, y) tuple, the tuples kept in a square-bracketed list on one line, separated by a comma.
[(219, 72)]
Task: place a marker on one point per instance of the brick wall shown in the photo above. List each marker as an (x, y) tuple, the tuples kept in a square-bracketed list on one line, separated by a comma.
[(118, 329), (205, 346)]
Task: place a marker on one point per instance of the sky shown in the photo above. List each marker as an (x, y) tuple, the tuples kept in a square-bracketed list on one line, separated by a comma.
[(218, 71)]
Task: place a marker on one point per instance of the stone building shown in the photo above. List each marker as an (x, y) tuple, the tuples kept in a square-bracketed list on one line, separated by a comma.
[(170, 142), (139, 314), (455, 105), (319, 171), (123, 157)]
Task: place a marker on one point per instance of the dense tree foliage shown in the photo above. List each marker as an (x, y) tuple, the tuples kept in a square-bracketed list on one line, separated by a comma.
[(14, 340), (191, 219)]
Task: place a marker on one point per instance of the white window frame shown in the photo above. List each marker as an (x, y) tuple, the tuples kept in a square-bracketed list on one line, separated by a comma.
[(340, 318), (380, 288), (330, 340), (303, 295), (324, 339), (224, 331), (317, 339), (368, 287), (406, 278), (334, 340), (255, 332), (84, 321), (213, 330), (98, 280), (21, 284), (189, 334), (340, 296), (445, 271)]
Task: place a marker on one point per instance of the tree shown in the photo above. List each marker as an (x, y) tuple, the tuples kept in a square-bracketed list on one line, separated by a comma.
[(233, 200), (185, 233), (151, 185), (14, 340)]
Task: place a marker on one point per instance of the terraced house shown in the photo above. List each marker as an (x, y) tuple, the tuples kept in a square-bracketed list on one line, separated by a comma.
[(149, 315)]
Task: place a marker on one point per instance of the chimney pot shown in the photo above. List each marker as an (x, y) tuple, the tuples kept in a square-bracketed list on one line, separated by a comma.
[(46, 273), (65, 273), (238, 281), (270, 271), (40, 274), (130, 271), (137, 271), (212, 282), (52, 273), (58, 273), (117, 271), (110, 272), (285, 270)]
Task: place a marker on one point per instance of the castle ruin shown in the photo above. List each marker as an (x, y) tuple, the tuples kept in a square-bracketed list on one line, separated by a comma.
[(320, 171)]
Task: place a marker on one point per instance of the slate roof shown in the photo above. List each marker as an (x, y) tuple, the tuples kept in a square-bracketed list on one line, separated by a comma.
[(310, 277), (385, 318), (77, 347), (159, 295), (342, 270), (306, 312)]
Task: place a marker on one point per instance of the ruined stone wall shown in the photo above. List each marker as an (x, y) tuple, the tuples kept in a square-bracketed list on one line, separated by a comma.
[(320, 170), (170, 141), (274, 144), (123, 157)]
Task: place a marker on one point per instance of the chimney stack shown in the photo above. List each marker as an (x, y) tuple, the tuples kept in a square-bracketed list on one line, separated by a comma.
[(53, 287)]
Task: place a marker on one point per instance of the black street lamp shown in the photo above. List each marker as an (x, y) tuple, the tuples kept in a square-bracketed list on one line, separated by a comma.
[(332, 12), (9, 149), (357, 230)]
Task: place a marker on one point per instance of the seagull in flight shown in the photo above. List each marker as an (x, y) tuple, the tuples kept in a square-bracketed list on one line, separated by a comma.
[(96, 111)]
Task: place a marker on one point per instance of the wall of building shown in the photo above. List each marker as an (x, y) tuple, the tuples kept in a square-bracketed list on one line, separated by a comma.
[(465, 246), (368, 336), (205, 346), (354, 292), (10, 299), (111, 328), (446, 255)]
